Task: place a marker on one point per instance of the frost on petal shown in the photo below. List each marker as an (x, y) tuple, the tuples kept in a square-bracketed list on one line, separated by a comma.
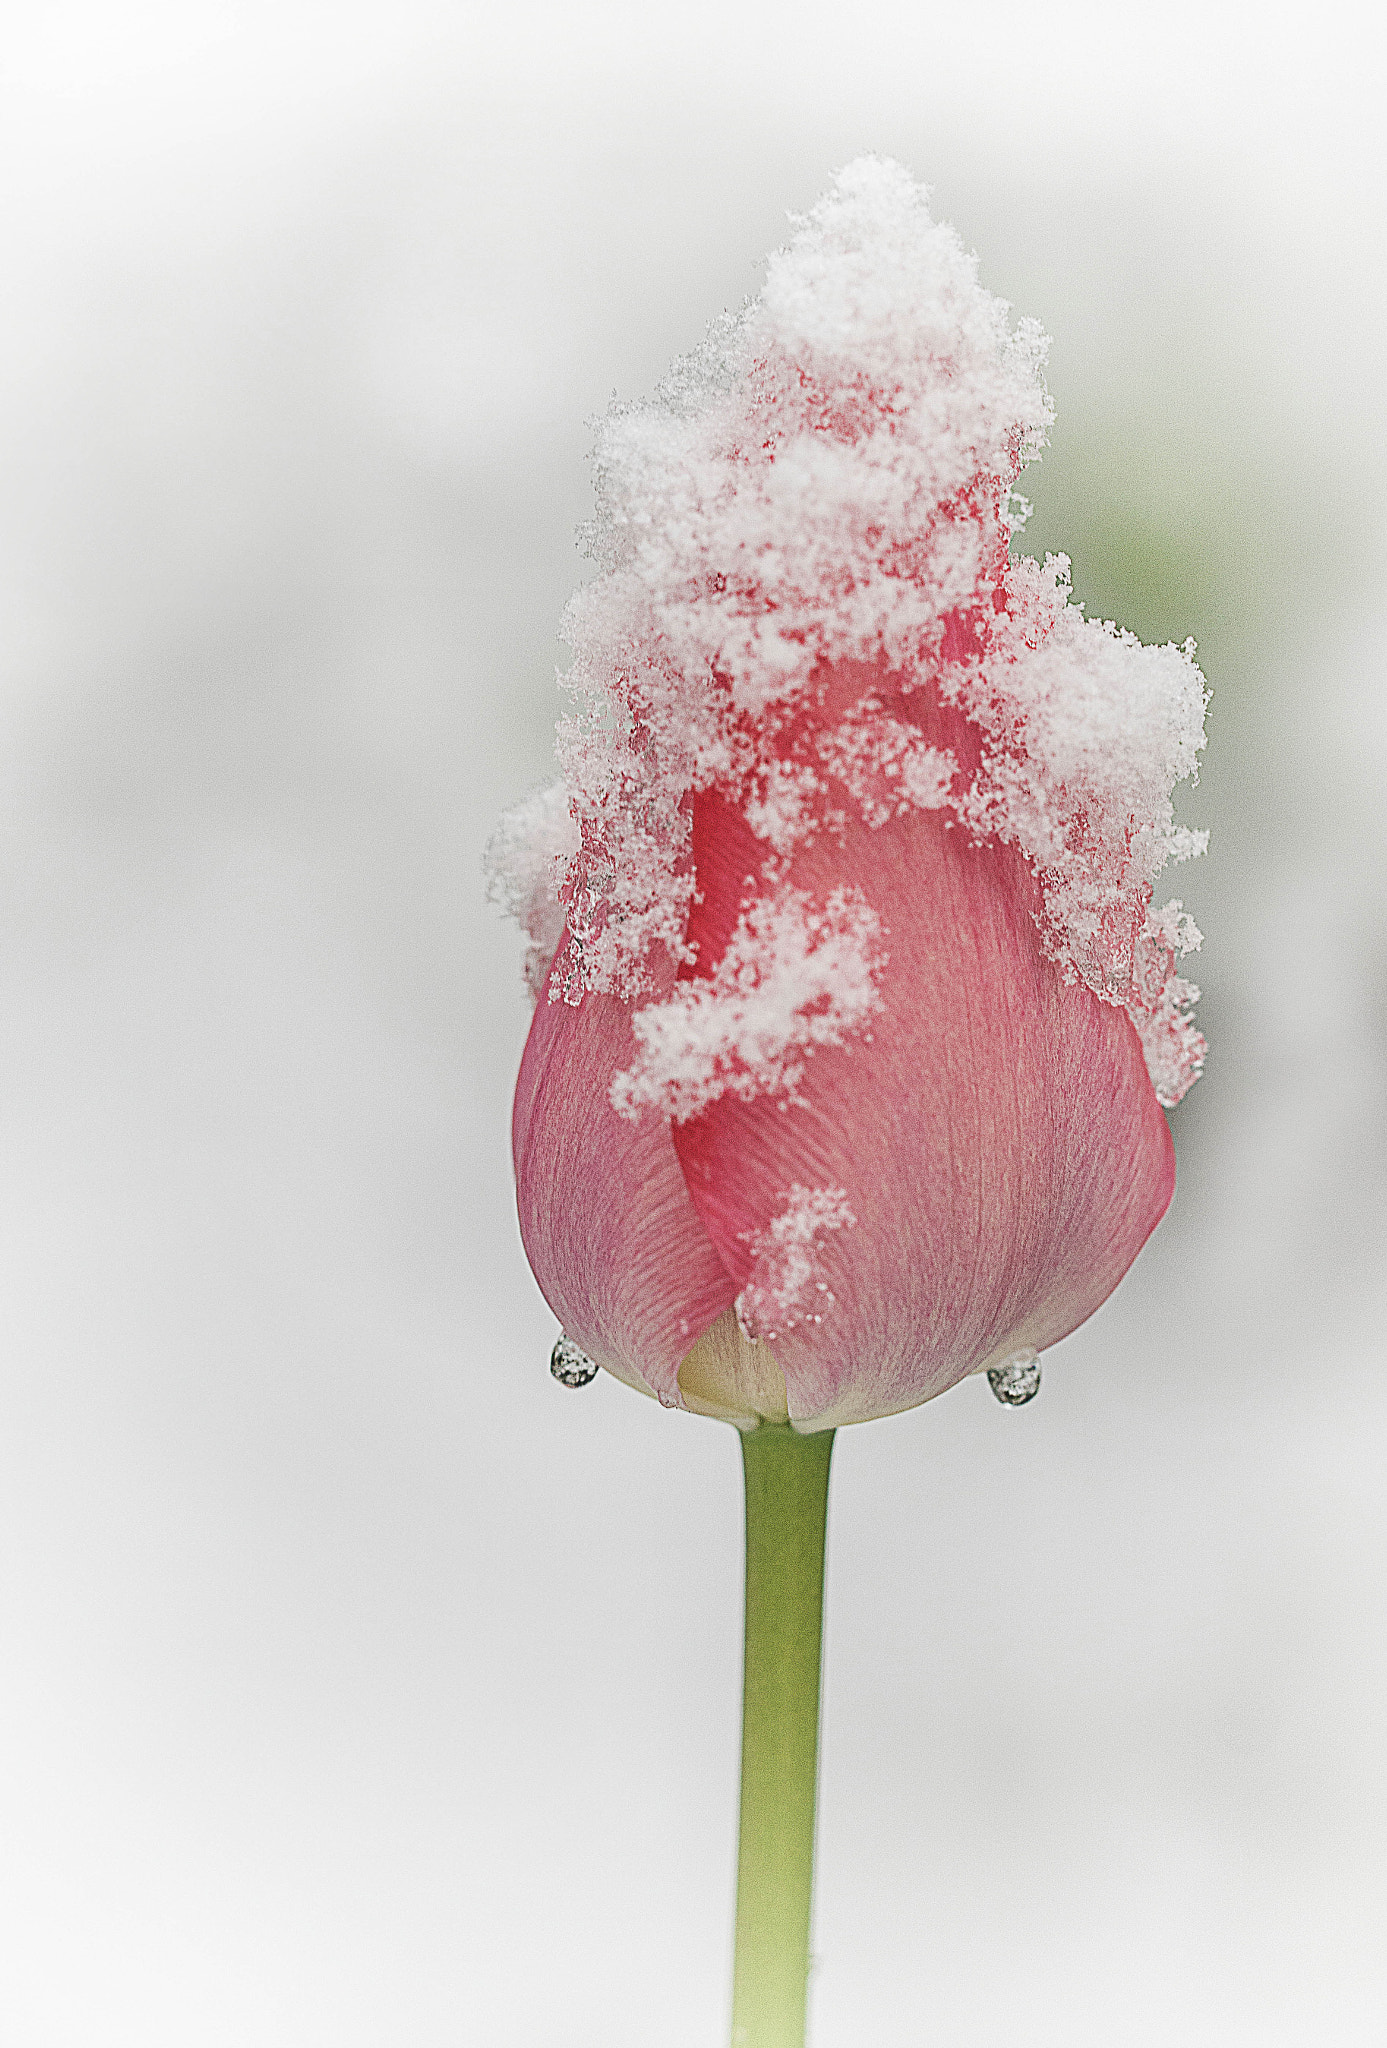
[(786, 1287), (528, 855), (793, 976), (826, 487)]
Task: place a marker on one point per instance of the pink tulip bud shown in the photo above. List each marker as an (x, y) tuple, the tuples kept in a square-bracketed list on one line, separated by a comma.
[(855, 1016)]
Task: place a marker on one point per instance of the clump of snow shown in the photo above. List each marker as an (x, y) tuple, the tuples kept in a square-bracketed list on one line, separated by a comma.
[(530, 853), (885, 766), (793, 976), (785, 1288), (829, 481)]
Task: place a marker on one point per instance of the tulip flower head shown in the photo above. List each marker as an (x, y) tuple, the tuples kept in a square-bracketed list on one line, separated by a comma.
[(855, 1016)]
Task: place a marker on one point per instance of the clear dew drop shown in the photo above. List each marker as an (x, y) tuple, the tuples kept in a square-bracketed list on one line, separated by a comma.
[(1017, 1379), (570, 1366)]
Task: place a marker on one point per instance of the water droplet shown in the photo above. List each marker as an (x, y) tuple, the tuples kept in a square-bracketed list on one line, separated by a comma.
[(570, 1366), (1017, 1379)]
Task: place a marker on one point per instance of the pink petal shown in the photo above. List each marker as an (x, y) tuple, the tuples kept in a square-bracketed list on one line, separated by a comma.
[(608, 1227), (995, 1137)]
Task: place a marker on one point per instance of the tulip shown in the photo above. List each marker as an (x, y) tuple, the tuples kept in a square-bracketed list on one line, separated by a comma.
[(856, 1016)]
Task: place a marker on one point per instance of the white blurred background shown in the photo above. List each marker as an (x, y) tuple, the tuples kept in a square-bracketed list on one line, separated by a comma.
[(359, 1687)]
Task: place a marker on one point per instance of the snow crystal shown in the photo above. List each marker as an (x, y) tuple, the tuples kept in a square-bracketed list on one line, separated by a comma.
[(829, 481), (785, 1288)]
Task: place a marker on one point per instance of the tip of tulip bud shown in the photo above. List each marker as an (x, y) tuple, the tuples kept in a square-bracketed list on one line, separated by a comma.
[(825, 490)]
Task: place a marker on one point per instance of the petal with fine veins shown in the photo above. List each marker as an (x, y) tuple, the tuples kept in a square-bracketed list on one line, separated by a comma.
[(606, 1219)]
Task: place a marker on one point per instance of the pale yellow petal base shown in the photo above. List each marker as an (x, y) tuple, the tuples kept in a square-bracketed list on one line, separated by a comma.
[(728, 1376)]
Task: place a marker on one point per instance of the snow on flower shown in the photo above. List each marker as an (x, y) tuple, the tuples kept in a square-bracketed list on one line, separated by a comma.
[(792, 977), (784, 1288), (850, 879), (830, 479)]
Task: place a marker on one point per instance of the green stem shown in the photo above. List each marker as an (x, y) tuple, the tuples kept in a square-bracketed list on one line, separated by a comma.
[(786, 1514)]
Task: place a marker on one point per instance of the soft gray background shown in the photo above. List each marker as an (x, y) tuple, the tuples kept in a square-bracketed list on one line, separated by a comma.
[(360, 1687)]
